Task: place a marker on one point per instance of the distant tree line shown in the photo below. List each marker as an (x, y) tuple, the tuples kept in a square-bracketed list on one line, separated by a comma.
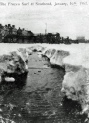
[(9, 34)]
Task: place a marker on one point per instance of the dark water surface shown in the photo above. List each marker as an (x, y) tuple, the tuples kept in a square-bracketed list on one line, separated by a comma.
[(39, 99)]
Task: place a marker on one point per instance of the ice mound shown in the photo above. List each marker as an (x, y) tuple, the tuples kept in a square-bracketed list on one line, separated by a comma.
[(49, 52), (14, 62), (76, 85), (57, 58), (73, 84)]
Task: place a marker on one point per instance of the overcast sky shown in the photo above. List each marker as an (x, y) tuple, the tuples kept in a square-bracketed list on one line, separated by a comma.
[(69, 20)]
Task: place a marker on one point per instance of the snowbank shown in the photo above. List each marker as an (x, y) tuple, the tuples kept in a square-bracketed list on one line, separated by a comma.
[(75, 59)]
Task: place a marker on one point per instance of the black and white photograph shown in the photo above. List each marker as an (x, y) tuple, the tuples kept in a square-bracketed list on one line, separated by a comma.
[(44, 61)]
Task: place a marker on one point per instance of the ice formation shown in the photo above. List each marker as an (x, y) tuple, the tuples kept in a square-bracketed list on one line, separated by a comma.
[(75, 60)]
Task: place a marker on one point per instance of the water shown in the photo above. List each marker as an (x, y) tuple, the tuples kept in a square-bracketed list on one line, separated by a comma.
[(39, 99)]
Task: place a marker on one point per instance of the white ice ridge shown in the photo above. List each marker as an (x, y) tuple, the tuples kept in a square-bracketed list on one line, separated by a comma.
[(75, 59)]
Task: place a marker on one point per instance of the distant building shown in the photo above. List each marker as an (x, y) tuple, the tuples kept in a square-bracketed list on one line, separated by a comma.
[(24, 32), (14, 30), (81, 39)]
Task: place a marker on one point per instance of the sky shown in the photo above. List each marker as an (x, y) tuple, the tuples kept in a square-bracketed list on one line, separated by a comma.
[(66, 18)]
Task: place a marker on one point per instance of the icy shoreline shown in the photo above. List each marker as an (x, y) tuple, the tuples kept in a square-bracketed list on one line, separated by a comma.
[(73, 58)]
